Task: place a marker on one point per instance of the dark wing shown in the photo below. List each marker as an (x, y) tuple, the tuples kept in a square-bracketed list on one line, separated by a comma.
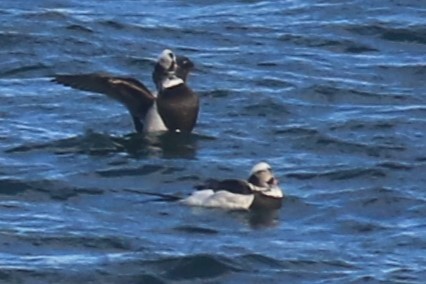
[(128, 91), (232, 185)]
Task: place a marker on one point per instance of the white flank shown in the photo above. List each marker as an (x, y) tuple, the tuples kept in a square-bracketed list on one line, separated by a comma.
[(153, 121), (219, 199)]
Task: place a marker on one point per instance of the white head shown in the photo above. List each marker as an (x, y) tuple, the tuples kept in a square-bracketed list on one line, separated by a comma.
[(167, 76), (263, 180), (261, 175), (167, 60), (262, 166)]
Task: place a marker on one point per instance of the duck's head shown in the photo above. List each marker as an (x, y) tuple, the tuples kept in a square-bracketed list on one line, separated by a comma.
[(261, 175), (170, 65), (167, 60), (165, 65), (183, 66)]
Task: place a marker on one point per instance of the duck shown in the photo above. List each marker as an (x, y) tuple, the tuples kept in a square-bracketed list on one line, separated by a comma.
[(174, 107), (260, 191)]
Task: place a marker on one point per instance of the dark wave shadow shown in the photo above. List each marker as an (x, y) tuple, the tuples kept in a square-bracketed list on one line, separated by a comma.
[(34, 190), (90, 142), (201, 266), (164, 145)]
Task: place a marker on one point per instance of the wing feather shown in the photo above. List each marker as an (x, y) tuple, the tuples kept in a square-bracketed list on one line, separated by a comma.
[(134, 95)]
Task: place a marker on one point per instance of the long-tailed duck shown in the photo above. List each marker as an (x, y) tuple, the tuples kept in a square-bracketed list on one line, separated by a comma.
[(260, 191), (175, 108)]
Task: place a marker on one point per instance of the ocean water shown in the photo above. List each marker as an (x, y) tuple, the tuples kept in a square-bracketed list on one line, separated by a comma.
[(331, 93)]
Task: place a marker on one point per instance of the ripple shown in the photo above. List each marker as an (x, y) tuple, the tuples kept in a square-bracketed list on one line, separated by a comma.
[(90, 143), (198, 267), (196, 230), (82, 242), (258, 261), (113, 24), (414, 34), (361, 227), (395, 165), (339, 174), (22, 70), (266, 107), (55, 190), (144, 170), (46, 15), (343, 45), (80, 28), (347, 96)]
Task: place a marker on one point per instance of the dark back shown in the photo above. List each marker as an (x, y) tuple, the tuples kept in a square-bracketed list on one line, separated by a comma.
[(231, 185)]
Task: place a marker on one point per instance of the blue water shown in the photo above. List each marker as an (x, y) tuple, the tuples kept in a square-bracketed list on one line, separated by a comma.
[(331, 93)]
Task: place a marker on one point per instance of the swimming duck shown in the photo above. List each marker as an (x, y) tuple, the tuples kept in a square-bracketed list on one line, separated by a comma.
[(259, 191)]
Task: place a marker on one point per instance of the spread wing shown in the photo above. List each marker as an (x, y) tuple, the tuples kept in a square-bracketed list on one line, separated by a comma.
[(232, 185), (128, 91)]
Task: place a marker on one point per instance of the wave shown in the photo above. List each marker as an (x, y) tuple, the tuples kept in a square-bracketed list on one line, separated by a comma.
[(342, 45), (167, 145), (413, 34), (54, 190), (333, 95)]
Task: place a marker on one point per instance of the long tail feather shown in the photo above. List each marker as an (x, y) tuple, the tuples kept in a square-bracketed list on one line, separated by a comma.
[(162, 196)]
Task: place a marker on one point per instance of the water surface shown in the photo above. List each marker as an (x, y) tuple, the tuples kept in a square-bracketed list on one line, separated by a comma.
[(330, 93)]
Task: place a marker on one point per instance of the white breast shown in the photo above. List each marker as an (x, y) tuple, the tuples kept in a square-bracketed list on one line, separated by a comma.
[(171, 82), (273, 191), (219, 199)]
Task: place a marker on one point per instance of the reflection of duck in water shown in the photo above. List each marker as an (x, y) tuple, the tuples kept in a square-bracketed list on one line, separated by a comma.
[(260, 191), (161, 144), (175, 108)]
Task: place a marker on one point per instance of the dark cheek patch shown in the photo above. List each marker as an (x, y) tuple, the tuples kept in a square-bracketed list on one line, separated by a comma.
[(172, 66)]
